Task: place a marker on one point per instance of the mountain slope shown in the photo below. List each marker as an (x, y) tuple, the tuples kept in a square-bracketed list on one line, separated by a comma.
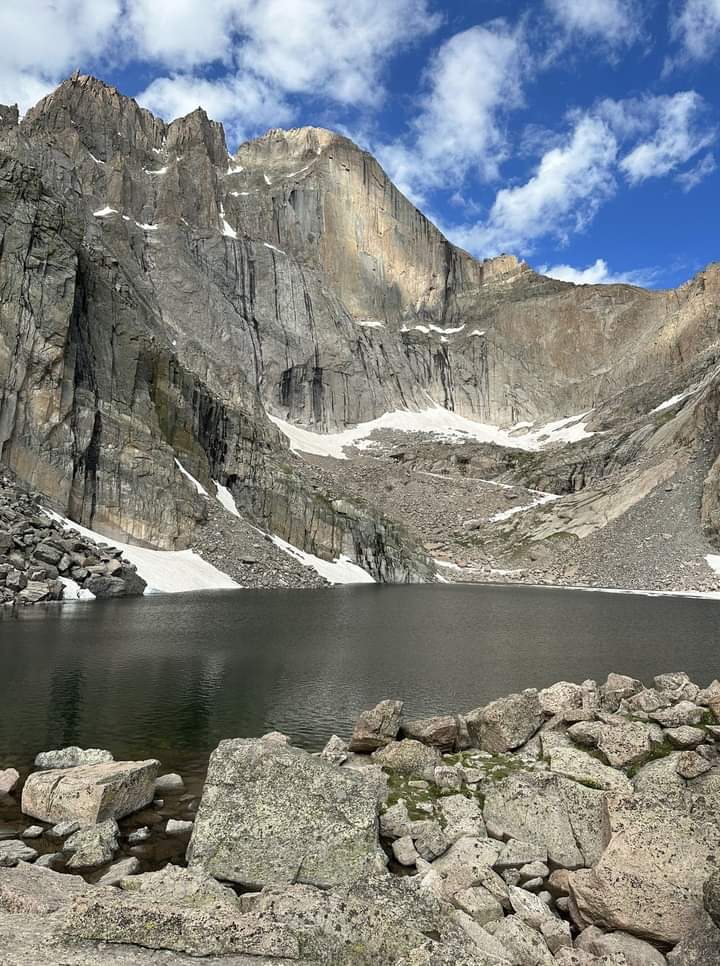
[(158, 298)]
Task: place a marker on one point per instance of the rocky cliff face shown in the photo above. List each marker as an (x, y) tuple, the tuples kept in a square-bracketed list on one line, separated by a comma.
[(158, 298)]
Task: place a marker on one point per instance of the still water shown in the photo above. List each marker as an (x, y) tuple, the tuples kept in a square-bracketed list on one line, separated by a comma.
[(169, 676)]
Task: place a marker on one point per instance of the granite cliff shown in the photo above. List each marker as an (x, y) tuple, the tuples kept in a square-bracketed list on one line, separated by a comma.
[(161, 300)]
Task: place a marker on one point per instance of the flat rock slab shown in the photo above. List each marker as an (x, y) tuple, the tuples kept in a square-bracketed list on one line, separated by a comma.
[(271, 814), (90, 793)]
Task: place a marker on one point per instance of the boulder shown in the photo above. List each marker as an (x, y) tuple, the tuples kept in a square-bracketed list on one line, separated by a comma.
[(119, 871), (480, 904), (586, 733), (561, 697), (616, 688), (71, 757), (625, 742), (176, 826), (441, 731), (699, 946), (525, 944), (516, 854), (507, 723), (9, 778), (460, 816), (649, 880), (685, 736), (404, 851), (377, 727), (581, 767), (543, 809), (466, 863), (409, 757), (272, 814), (90, 793), (92, 846), (683, 713), (336, 750), (691, 765), (29, 890), (13, 851), (636, 951), (166, 784)]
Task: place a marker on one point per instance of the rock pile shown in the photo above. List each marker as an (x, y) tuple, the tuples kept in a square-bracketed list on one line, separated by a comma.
[(41, 561), (578, 825)]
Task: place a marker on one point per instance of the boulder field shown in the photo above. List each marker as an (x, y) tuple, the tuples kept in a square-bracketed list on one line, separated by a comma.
[(577, 825)]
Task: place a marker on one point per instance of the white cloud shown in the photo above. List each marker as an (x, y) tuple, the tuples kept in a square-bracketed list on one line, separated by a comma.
[(472, 81), (617, 22), (696, 27), (691, 179), (41, 41), (181, 33), (597, 274), (680, 132), (563, 196)]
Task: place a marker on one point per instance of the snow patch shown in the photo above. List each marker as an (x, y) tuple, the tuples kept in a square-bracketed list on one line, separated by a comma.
[(427, 329), (146, 227), (478, 332), (104, 212), (225, 498), (165, 571), (73, 591), (198, 486), (674, 400), (267, 180), (339, 571), (274, 249), (506, 514), (227, 230), (438, 422), (162, 170), (370, 323), (235, 169), (96, 160)]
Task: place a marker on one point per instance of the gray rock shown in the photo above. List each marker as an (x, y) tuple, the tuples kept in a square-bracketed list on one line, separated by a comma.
[(31, 890), (13, 851), (460, 816), (166, 784), (71, 757), (272, 814), (395, 821), (711, 897), (586, 733), (698, 947), (580, 767), (441, 731), (526, 945), (90, 793), (625, 742), (649, 879), (507, 723), (561, 697), (336, 750), (553, 812), (33, 832), (685, 736), (50, 860), (430, 841), (139, 835), (409, 757), (92, 846), (62, 830), (617, 687), (9, 777), (684, 713), (636, 951), (516, 854), (466, 863), (404, 851), (691, 765), (119, 871), (377, 727), (176, 827), (479, 904)]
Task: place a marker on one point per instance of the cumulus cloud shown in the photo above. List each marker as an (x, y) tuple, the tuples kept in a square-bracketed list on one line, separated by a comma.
[(562, 196), (679, 133), (41, 42), (473, 80), (617, 22), (598, 274), (695, 25)]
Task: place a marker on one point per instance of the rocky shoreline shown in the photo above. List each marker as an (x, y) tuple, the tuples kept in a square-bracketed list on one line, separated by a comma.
[(578, 825)]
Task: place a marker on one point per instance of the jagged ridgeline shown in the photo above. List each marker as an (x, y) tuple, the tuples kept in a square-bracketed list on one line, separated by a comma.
[(159, 297)]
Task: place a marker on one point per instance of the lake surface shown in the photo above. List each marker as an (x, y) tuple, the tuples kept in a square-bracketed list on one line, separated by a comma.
[(169, 676)]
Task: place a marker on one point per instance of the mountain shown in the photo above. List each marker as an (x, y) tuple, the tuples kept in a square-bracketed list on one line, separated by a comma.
[(165, 306)]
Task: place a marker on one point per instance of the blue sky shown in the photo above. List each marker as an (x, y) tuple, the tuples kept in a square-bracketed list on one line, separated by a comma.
[(581, 135)]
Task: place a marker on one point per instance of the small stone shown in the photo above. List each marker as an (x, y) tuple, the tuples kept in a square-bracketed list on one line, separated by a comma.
[(9, 778), (62, 830), (691, 765), (336, 750), (532, 885), (92, 845), (33, 832), (169, 783), (13, 851), (177, 827), (119, 871), (534, 870), (404, 851), (139, 835), (50, 860)]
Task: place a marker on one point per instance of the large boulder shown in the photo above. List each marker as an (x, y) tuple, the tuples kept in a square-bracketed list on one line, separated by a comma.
[(90, 793), (507, 723), (271, 814), (625, 742), (562, 816), (441, 731), (409, 757), (649, 880), (376, 727), (636, 951), (584, 768), (561, 697), (71, 757), (93, 845)]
